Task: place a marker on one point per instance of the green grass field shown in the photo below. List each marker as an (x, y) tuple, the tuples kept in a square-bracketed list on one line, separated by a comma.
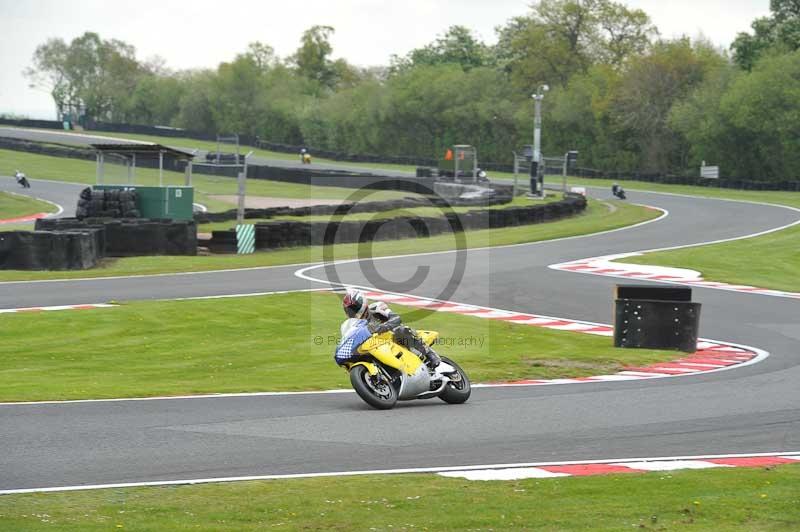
[(79, 171), (182, 142), (709, 500), (230, 345), (15, 206), (769, 261), (599, 216)]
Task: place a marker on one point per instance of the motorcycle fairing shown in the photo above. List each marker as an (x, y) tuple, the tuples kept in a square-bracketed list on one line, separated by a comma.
[(388, 352)]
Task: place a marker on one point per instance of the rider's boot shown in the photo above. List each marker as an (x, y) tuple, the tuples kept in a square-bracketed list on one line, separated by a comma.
[(431, 357)]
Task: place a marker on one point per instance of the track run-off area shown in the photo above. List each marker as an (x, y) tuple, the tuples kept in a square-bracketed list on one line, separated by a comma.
[(752, 409)]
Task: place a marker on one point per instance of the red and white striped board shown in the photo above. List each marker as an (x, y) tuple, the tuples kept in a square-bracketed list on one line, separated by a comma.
[(605, 267), (57, 307), (584, 468), (22, 219)]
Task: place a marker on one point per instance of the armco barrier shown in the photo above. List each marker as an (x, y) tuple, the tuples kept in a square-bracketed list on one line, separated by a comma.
[(284, 234), (38, 124)]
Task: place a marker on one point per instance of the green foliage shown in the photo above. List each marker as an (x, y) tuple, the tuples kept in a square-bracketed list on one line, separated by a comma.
[(757, 111), (626, 101), (649, 88), (779, 32), (88, 75), (458, 46)]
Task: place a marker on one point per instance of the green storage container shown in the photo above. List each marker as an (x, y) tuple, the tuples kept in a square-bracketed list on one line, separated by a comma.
[(160, 202)]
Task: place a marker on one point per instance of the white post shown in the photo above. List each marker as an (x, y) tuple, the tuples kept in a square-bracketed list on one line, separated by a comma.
[(242, 186), (516, 171), (133, 171), (102, 168), (161, 168), (537, 129)]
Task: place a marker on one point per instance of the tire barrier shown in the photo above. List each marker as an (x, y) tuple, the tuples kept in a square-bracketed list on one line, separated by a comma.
[(350, 208), (133, 237), (51, 149), (49, 250), (656, 317), (107, 204), (285, 234), (38, 124), (224, 158)]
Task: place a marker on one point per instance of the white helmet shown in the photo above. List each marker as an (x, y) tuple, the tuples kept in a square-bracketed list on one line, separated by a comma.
[(355, 303)]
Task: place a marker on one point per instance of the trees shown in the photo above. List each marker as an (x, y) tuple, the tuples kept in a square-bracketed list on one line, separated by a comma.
[(87, 75), (779, 32), (562, 38), (649, 88), (457, 46), (625, 102)]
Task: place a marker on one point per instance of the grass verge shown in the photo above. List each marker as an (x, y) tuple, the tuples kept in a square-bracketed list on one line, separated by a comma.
[(708, 500), (80, 171), (599, 216), (15, 206), (769, 261), (226, 345)]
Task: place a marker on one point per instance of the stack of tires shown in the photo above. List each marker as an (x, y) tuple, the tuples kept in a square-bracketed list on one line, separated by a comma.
[(107, 204)]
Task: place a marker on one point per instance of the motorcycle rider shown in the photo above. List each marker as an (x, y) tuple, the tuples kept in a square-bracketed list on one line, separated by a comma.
[(22, 179), (380, 318)]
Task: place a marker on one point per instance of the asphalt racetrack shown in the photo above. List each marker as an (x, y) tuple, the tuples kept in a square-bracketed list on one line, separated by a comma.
[(746, 410)]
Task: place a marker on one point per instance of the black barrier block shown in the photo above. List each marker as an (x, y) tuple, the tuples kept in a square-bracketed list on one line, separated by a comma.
[(58, 245), (655, 293), (641, 323)]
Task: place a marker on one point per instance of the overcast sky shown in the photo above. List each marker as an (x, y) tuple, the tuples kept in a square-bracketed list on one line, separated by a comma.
[(202, 33)]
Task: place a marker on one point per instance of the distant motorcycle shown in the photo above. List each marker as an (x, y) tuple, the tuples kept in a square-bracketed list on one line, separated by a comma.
[(22, 179), (618, 191)]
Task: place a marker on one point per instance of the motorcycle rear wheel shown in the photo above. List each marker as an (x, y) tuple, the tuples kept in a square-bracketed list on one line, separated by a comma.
[(458, 391), (376, 391)]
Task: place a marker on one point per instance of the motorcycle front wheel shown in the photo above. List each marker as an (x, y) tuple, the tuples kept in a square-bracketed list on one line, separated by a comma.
[(458, 390), (375, 390)]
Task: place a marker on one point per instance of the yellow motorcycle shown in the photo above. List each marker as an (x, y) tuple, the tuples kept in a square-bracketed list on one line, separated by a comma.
[(384, 372)]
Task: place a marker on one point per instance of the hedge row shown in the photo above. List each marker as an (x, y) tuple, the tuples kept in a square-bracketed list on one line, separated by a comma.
[(281, 234), (50, 250), (133, 237)]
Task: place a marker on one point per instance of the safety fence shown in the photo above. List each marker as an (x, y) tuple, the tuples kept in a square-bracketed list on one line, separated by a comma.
[(248, 140)]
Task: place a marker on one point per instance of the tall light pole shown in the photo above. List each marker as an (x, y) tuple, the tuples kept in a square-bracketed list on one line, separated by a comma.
[(537, 130)]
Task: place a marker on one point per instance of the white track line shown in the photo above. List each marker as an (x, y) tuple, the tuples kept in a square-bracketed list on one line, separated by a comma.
[(59, 208), (438, 469), (716, 285), (443, 252)]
